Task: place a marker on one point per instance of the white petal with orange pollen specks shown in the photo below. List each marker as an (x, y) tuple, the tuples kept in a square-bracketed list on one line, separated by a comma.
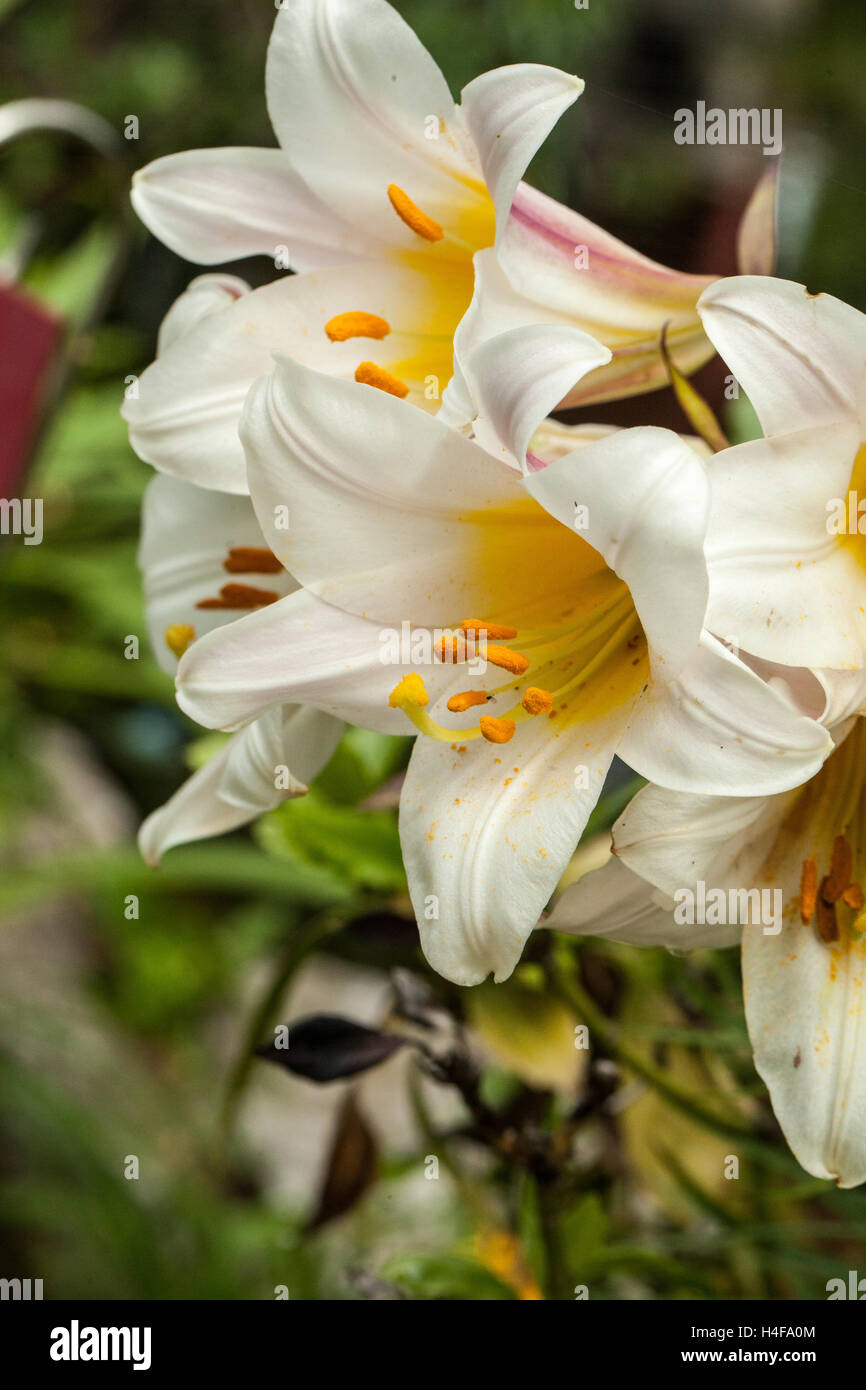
[(759, 740), (239, 782), (186, 532), (805, 999), (185, 418), (299, 650), (490, 843)]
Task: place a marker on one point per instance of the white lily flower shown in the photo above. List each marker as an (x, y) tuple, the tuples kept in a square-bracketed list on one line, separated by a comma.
[(382, 192), (787, 874), (784, 542), (397, 518), (204, 563)]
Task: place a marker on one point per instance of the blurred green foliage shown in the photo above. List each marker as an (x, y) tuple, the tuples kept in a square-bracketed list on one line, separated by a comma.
[(143, 1047)]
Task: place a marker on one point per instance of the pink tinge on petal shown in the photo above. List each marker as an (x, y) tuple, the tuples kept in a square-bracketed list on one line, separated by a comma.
[(534, 463), (568, 232)]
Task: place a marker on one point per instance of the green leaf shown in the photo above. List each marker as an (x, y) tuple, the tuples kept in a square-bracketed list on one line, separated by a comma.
[(584, 1235), (431, 1277), (362, 846), (361, 763)]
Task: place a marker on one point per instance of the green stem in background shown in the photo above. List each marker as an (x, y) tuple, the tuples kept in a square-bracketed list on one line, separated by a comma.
[(565, 983), (302, 941)]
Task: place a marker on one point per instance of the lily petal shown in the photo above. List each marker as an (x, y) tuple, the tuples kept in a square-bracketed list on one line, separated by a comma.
[(672, 839), (805, 996), (517, 378), (799, 357), (394, 515), (646, 496), (566, 267), (185, 418), (239, 783), (510, 112), (716, 727), (358, 104), (757, 233), (299, 650), (220, 205), (615, 903), (203, 296), (186, 535), (485, 840), (790, 594)]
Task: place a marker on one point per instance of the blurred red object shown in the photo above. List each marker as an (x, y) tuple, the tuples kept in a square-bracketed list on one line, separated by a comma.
[(30, 337)]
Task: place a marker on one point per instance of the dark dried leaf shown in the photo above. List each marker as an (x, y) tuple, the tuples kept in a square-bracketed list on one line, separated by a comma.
[(325, 1047), (352, 1167)]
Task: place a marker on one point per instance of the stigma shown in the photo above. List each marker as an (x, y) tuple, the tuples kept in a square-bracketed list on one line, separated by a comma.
[(178, 637)]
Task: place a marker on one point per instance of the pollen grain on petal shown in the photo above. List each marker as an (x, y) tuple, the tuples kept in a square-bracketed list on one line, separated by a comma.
[(537, 701), (251, 559), (178, 637), (369, 374), (496, 730), (853, 897), (416, 220), (411, 690), (356, 324), (515, 662), (240, 596), (466, 699)]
